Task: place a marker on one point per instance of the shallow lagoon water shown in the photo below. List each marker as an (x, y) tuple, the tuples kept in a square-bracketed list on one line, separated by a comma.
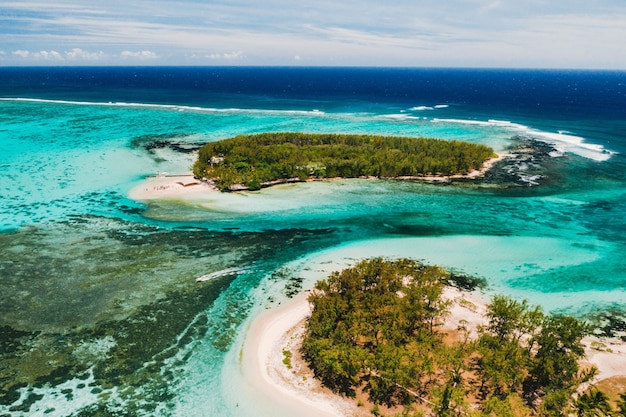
[(100, 311)]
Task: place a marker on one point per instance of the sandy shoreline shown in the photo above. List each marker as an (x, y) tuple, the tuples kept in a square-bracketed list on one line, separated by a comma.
[(164, 185), (295, 392), (263, 369), (168, 186)]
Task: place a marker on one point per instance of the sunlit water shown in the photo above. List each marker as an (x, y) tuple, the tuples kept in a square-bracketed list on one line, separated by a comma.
[(100, 306)]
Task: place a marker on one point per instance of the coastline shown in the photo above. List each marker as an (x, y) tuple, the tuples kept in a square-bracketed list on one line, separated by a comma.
[(293, 390), (290, 391), (296, 392), (164, 185), (487, 165)]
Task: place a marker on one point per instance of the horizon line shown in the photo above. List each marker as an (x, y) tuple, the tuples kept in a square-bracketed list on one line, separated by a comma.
[(388, 67)]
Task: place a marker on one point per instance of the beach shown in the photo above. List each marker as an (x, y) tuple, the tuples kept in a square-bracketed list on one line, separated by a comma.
[(164, 185), (293, 391)]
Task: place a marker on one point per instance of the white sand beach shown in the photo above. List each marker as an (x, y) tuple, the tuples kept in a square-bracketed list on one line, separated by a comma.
[(164, 185), (293, 390)]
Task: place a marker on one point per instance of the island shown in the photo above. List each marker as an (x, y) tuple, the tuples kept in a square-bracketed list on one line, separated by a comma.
[(398, 338), (251, 162)]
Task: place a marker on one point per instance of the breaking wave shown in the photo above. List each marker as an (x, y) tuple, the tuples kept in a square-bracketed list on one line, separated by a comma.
[(562, 140)]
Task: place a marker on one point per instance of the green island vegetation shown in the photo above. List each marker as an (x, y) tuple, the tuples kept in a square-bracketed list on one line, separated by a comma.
[(375, 335), (253, 161)]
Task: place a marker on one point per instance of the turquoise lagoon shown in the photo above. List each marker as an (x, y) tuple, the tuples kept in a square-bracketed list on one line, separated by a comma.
[(100, 310)]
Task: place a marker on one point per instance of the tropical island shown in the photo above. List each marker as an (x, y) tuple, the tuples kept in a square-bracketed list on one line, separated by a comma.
[(250, 162), (376, 334)]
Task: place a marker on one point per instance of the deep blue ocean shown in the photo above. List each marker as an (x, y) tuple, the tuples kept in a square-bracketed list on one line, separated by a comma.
[(100, 311)]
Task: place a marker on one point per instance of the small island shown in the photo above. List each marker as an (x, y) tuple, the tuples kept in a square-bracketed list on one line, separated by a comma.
[(250, 162), (375, 334)]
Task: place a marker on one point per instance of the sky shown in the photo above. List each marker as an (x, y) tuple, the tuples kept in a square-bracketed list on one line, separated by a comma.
[(585, 34)]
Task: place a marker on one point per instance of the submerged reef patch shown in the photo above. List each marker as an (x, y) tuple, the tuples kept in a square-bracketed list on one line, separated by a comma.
[(115, 303)]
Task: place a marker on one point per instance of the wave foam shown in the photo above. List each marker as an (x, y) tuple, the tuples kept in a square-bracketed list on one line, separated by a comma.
[(423, 108), (563, 141), (401, 116), (175, 107)]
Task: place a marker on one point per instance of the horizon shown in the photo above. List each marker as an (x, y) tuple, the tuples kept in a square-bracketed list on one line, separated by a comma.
[(351, 67)]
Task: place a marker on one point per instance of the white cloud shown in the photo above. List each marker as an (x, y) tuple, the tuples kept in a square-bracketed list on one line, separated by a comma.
[(139, 55), (52, 55), (227, 55), (429, 32), (39, 55), (79, 54), (49, 55), (345, 35), (21, 53), (61, 6), (74, 54)]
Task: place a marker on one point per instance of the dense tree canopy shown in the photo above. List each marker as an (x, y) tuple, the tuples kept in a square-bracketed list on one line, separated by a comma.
[(374, 323), (374, 327), (254, 160)]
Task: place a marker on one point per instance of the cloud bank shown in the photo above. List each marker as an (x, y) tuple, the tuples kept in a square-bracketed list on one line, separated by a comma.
[(488, 33), (78, 55)]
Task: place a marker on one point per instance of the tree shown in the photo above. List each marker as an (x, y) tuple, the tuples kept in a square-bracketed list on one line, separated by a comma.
[(503, 362), (555, 403), (450, 401), (593, 403), (502, 366), (509, 406), (510, 319), (555, 365), (372, 325), (268, 157)]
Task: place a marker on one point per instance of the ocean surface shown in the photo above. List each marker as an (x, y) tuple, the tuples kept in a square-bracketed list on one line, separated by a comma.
[(100, 311)]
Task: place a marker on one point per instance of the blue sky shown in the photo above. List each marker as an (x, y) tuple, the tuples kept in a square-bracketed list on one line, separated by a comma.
[(441, 33)]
